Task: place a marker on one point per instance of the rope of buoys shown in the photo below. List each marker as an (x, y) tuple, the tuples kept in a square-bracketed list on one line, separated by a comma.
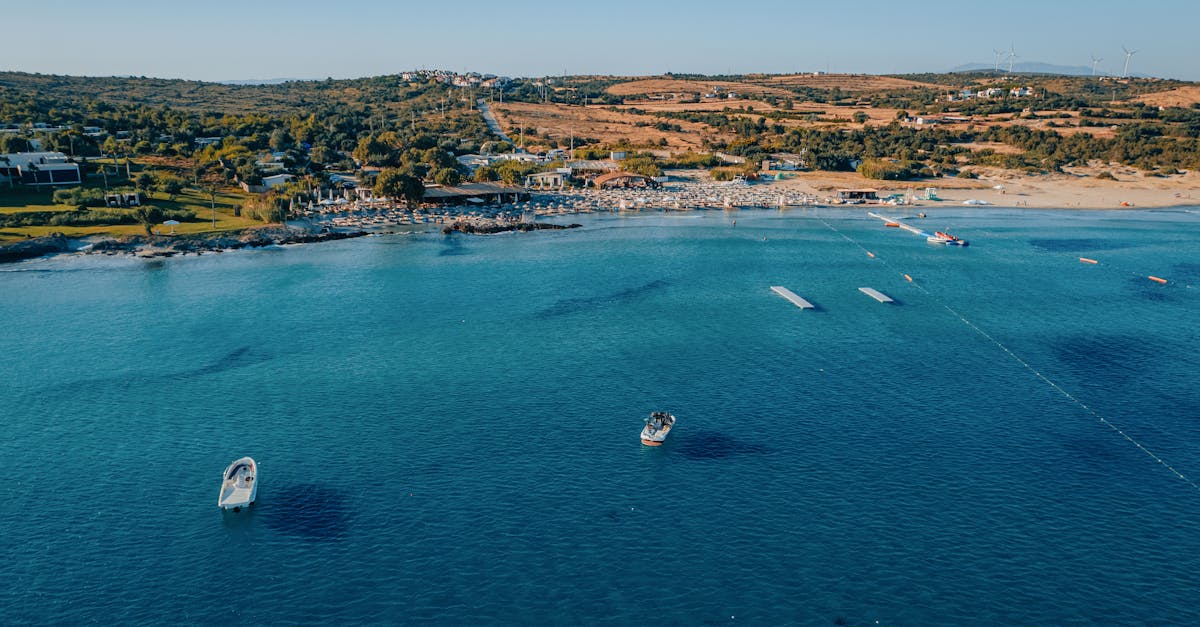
[(1045, 379)]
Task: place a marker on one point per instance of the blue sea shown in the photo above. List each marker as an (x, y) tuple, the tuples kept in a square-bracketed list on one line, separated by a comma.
[(447, 426)]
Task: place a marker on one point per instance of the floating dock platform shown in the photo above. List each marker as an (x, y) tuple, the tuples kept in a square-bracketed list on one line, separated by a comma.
[(791, 296), (876, 294), (895, 221)]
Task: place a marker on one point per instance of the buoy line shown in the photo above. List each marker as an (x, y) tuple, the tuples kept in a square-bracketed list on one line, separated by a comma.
[(1093, 261), (1047, 380)]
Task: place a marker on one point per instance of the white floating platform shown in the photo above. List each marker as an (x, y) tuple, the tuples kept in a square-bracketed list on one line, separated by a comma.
[(876, 294), (791, 296)]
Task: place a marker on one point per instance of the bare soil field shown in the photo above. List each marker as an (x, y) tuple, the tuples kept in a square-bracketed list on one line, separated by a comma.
[(561, 122), (708, 104), (675, 86)]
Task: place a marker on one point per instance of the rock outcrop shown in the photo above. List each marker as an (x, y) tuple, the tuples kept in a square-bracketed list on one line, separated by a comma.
[(167, 246), (477, 227)]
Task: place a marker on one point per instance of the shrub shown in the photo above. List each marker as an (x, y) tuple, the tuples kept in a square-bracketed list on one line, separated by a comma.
[(880, 169)]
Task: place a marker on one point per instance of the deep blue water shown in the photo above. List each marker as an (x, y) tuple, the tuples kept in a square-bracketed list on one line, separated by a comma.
[(446, 427)]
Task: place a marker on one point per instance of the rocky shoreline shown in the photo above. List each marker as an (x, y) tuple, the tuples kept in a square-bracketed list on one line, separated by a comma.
[(164, 245)]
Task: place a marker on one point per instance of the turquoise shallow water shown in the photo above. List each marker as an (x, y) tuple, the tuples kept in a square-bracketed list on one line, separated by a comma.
[(446, 428)]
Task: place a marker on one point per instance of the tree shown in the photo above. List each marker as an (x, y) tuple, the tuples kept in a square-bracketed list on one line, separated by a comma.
[(447, 176), (144, 182), (170, 185), (485, 173), (10, 143), (861, 117), (395, 184), (148, 216), (281, 140)]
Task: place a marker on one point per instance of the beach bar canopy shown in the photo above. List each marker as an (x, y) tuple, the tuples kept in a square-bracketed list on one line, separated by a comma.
[(474, 193)]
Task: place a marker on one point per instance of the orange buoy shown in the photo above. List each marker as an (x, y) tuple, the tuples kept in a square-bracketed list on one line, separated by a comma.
[(1086, 260), (1156, 279), (908, 278)]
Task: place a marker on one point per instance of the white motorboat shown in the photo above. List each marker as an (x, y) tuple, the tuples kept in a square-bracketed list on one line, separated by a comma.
[(941, 237), (239, 485), (658, 427)]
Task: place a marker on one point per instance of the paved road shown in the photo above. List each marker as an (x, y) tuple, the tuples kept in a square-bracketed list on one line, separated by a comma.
[(491, 122)]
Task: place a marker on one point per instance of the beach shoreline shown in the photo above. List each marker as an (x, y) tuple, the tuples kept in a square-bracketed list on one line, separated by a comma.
[(689, 190)]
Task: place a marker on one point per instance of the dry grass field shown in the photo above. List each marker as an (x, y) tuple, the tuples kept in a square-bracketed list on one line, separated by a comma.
[(844, 82), (1185, 96)]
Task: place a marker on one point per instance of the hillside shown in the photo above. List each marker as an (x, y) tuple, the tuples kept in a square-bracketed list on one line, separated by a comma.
[(1186, 96), (199, 96)]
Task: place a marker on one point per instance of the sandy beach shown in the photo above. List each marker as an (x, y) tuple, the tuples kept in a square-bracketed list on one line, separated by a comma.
[(1077, 188)]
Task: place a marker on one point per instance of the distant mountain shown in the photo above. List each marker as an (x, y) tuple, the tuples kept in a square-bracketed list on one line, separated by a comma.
[(1032, 67), (263, 81)]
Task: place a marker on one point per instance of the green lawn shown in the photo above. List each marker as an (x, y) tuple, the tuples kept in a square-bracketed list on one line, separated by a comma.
[(22, 199)]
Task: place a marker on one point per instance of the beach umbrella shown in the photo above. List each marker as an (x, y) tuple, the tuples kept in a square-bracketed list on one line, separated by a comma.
[(172, 224)]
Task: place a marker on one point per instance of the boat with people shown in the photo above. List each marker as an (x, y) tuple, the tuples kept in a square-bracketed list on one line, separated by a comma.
[(942, 237), (658, 427), (239, 485)]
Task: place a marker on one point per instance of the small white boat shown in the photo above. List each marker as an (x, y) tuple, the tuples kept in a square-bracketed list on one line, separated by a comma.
[(941, 237), (239, 485), (658, 427)]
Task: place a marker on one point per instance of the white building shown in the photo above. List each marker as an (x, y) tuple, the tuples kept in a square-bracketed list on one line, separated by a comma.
[(271, 182), (39, 168)]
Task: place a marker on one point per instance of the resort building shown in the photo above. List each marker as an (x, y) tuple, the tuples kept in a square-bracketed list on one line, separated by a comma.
[(39, 168), (546, 180)]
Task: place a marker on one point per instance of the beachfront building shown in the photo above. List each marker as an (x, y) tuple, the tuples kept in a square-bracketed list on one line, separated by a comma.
[(39, 168), (857, 196), (546, 180), (588, 169), (625, 180)]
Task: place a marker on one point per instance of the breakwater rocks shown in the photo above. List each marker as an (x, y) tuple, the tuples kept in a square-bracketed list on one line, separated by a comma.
[(164, 245), (488, 227)]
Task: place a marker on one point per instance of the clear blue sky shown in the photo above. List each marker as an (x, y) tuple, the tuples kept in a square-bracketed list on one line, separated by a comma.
[(254, 39)]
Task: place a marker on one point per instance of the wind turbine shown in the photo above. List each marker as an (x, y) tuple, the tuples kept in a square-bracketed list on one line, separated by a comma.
[(1094, 62), (1128, 53), (1012, 55), (999, 55)]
